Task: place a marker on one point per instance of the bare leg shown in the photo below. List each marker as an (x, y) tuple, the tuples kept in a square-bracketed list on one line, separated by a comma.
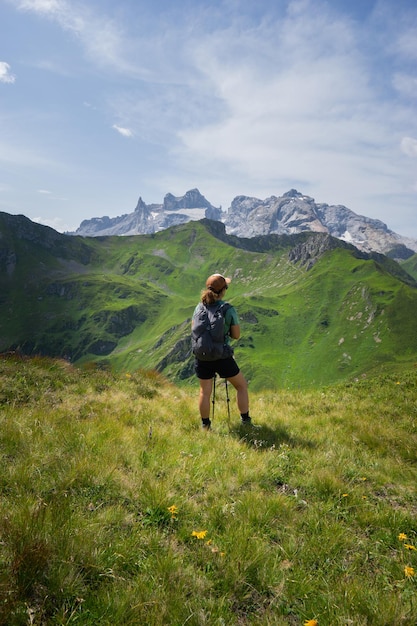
[(206, 387), (242, 396)]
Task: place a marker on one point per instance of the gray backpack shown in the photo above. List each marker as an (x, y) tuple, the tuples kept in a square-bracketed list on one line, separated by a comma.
[(207, 335)]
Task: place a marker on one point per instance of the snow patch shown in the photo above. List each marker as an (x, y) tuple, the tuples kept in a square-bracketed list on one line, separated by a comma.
[(193, 214), (346, 237)]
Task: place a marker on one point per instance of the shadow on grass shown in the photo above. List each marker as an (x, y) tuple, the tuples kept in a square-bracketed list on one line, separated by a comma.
[(264, 438)]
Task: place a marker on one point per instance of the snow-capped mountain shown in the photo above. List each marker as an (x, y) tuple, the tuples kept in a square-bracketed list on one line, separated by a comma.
[(150, 218), (294, 212), (290, 213)]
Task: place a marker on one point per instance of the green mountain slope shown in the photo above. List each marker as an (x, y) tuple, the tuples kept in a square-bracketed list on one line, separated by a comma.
[(410, 265), (313, 309)]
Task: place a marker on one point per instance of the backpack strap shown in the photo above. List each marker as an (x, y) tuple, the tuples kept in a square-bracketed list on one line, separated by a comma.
[(224, 308)]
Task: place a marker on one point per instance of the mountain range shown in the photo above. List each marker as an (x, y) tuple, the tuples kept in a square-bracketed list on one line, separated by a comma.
[(290, 213), (313, 308)]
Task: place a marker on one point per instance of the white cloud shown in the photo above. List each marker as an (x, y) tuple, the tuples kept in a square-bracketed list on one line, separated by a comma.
[(59, 10), (126, 132), (102, 39), (5, 75), (294, 105), (42, 6), (303, 107), (409, 146)]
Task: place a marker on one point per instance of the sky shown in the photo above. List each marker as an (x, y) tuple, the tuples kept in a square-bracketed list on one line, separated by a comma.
[(103, 102)]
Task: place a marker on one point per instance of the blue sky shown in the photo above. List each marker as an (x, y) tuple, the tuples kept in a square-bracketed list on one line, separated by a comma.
[(102, 102)]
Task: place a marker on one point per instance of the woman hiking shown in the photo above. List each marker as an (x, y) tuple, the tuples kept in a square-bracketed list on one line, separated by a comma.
[(226, 366)]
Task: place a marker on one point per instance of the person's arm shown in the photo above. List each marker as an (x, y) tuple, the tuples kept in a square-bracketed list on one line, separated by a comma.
[(234, 331), (234, 323)]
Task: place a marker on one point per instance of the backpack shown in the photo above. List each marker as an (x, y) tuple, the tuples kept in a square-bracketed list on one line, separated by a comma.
[(207, 335)]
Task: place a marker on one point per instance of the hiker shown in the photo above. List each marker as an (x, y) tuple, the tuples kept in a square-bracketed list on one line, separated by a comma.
[(226, 366)]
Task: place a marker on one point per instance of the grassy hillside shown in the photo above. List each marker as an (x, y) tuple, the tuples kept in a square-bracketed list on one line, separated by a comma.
[(410, 265), (313, 310), (117, 509)]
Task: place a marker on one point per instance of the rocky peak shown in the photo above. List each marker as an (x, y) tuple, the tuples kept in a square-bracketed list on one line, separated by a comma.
[(294, 213), (141, 206), (292, 193), (247, 217), (192, 199), (151, 218)]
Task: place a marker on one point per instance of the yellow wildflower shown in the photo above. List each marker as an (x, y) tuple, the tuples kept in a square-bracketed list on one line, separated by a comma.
[(402, 537), (344, 495), (173, 509), (200, 534), (409, 571), (408, 546), (311, 622)]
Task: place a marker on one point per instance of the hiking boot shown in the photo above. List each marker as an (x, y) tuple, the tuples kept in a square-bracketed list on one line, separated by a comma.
[(206, 424), (247, 422)]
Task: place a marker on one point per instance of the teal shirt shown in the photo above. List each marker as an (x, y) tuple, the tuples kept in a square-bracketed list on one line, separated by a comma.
[(231, 318)]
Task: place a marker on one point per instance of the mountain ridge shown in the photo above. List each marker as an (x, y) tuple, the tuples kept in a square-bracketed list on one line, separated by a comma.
[(314, 309), (291, 213)]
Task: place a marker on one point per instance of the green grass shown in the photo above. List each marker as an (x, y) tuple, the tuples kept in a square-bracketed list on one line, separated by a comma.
[(297, 520)]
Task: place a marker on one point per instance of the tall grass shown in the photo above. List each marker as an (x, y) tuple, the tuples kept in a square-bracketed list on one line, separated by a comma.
[(118, 509)]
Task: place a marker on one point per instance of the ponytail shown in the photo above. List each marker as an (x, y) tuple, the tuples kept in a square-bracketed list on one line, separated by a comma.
[(208, 297)]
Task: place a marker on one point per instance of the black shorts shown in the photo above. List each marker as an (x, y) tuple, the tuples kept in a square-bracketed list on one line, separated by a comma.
[(225, 368)]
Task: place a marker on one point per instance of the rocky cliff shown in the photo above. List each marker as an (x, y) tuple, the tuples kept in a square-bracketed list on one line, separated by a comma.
[(291, 213), (294, 213), (151, 218)]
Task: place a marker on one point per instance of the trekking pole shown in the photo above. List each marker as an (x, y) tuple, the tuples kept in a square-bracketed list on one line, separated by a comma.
[(228, 403), (213, 398)]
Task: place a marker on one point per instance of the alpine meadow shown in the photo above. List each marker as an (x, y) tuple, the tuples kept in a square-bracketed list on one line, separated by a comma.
[(118, 509), (314, 310)]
